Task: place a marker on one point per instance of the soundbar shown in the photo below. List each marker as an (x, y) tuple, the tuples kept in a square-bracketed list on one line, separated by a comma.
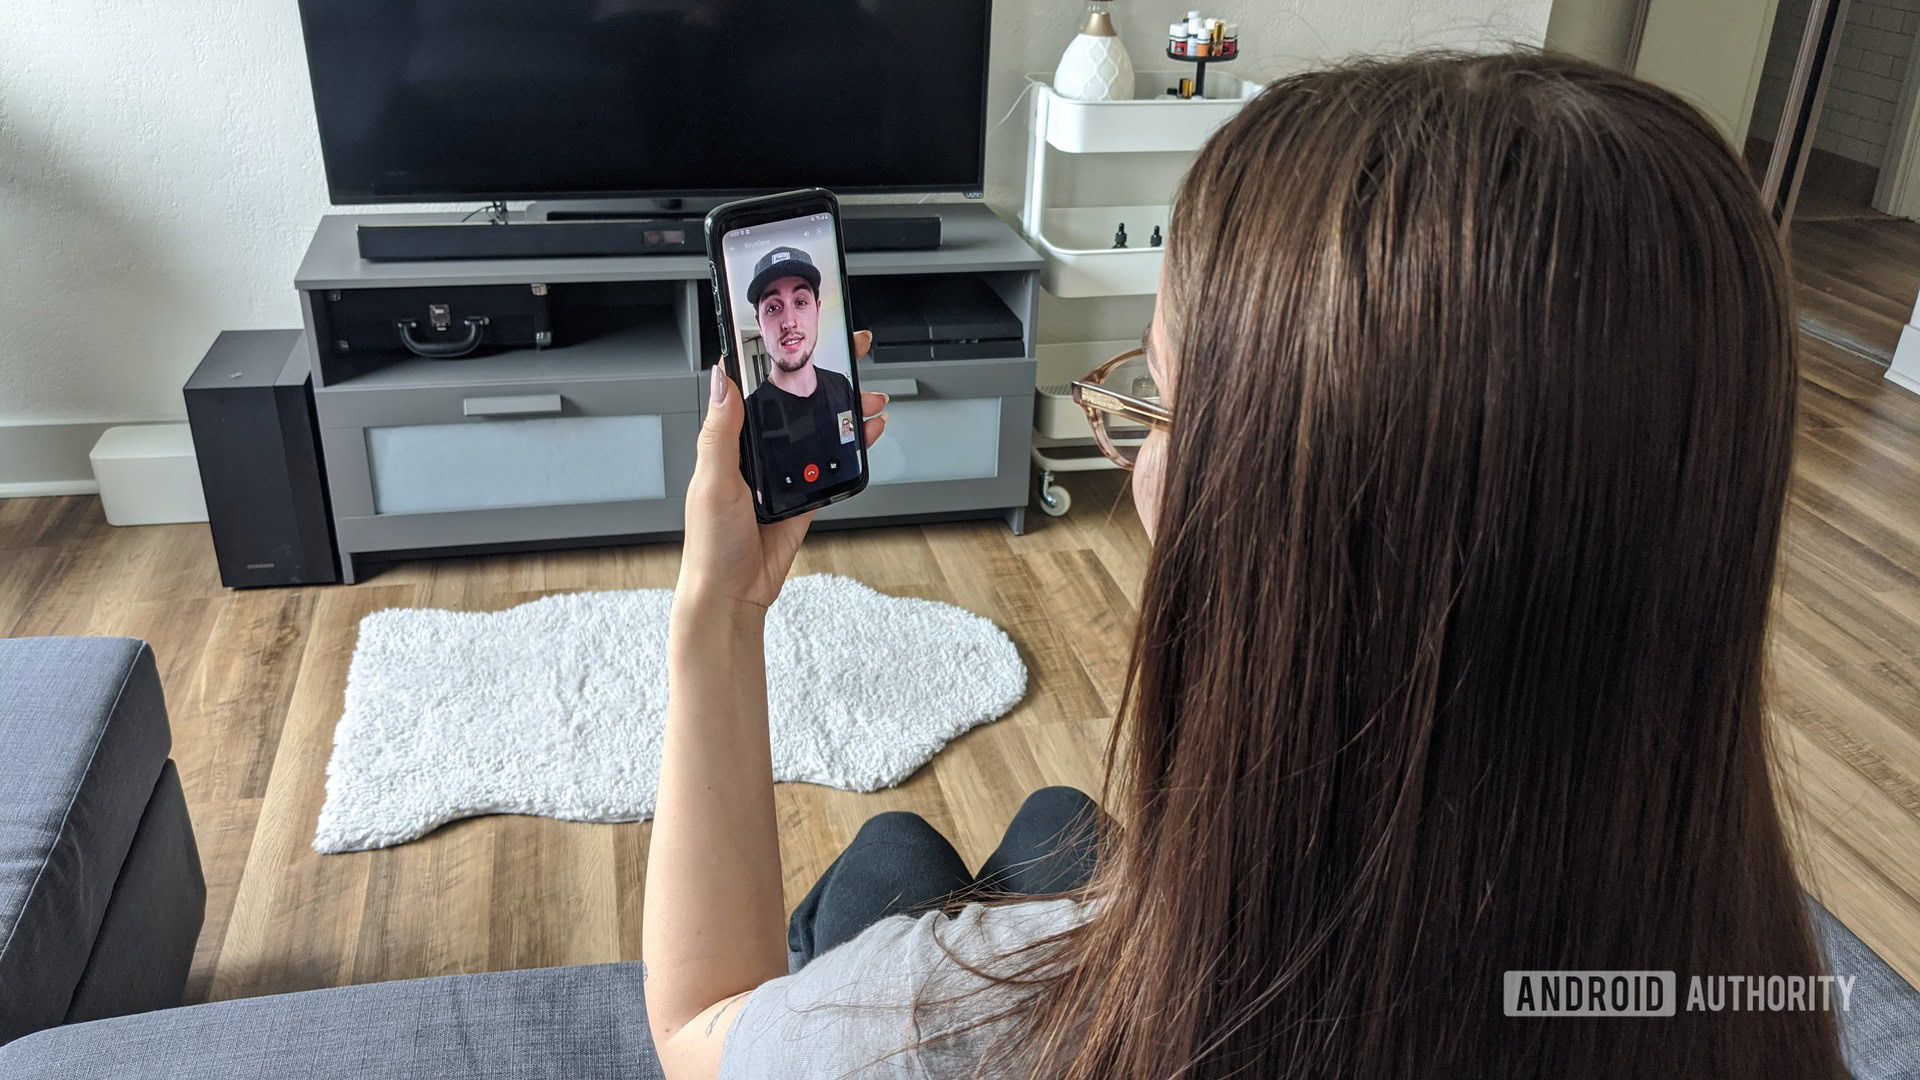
[(585, 239)]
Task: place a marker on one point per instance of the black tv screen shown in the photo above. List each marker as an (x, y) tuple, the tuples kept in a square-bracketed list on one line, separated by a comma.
[(506, 99)]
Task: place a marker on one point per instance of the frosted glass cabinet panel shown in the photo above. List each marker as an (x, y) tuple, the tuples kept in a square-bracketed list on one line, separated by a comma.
[(430, 468), (938, 440)]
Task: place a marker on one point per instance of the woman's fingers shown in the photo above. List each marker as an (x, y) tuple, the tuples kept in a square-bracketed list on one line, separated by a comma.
[(873, 410), (873, 406), (720, 435)]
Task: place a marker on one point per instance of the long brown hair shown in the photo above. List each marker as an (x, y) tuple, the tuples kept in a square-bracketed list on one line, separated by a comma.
[(1450, 657)]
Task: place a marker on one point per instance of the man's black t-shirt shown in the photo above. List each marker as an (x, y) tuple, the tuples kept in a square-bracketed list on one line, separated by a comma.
[(796, 432)]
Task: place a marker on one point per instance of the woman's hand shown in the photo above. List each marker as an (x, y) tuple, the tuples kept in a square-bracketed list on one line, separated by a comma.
[(729, 558)]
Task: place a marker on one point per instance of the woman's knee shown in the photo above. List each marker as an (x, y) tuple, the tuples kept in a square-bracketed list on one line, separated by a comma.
[(1053, 819), (896, 827), (1059, 804), (900, 847), (899, 862)]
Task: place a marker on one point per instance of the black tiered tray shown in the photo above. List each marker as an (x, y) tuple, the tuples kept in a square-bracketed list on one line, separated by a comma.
[(1200, 68)]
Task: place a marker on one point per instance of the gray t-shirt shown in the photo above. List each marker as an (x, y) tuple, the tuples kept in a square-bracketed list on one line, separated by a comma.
[(850, 1012)]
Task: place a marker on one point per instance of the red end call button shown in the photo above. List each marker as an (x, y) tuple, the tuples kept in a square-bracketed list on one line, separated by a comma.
[(811, 473)]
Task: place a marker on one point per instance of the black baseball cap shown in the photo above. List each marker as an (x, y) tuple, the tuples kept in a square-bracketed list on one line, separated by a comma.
[(782, 262)]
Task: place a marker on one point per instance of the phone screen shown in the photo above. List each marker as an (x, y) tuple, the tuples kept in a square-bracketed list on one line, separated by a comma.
[(789, 315)]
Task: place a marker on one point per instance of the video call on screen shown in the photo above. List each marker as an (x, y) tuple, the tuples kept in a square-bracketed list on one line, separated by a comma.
[(790, 334)]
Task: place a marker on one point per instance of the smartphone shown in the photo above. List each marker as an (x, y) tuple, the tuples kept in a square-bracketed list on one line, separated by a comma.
[(780, 293)]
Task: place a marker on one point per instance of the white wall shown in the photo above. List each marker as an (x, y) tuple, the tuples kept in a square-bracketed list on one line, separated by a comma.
[(1710, 53), (1905, 369), (1863, 98), (159, 171), (1599, 30), (1864, 94)]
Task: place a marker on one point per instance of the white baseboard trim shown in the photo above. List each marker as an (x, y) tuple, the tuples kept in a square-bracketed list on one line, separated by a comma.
[(41, 489), (38, 459), (1904, 372)]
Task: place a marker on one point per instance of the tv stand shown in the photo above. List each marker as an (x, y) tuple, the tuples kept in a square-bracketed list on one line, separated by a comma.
[(586, 230), (591, 440)]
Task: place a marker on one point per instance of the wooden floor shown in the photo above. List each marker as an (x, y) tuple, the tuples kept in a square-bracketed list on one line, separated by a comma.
[(1859, 275), (254, 683)]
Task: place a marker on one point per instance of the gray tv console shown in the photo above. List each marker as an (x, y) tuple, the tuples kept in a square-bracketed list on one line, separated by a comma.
[(592, 441)]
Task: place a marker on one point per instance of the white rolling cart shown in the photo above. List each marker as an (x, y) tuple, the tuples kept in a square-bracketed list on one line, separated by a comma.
[(1077, 242)]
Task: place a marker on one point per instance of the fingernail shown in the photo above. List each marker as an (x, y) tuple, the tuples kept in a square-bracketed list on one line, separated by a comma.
[(719, 382), (885, 400)]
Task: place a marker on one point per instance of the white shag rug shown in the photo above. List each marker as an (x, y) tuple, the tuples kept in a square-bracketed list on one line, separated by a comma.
[(557, 707)]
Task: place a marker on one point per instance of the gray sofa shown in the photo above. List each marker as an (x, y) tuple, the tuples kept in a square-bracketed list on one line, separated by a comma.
[(101, 901), (100, 889)]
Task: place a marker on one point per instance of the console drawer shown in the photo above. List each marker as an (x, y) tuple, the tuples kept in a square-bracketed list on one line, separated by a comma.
[(348, 407), (510, 478), (957, 439), (942, 379), (516, 525)]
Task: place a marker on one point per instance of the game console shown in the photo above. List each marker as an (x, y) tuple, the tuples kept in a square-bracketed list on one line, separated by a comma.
[(935, 317)]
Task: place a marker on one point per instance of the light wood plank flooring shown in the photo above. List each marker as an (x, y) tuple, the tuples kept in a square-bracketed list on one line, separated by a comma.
[(254, 682)]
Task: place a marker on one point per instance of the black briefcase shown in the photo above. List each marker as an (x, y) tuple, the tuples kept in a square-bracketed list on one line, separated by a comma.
[(438, 323)]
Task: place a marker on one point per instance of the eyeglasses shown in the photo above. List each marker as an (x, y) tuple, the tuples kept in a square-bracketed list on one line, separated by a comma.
[(1122, 405)]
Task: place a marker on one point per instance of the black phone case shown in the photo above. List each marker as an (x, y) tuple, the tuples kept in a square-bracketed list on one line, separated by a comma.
[(757, 211)]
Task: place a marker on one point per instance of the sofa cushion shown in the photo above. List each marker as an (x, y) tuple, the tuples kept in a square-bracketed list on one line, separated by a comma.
[(580, 1023), (144, 951), (83, 736), (1880, 1031)]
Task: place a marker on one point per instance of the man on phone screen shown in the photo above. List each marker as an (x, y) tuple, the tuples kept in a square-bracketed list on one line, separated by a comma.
[(804, 414)]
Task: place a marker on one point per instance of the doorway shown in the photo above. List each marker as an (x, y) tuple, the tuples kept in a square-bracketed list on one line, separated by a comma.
[(1860, 104), (1829, 139), (1821, 94)]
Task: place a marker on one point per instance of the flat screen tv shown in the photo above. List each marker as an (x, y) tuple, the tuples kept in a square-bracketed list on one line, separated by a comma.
[(534, 99)]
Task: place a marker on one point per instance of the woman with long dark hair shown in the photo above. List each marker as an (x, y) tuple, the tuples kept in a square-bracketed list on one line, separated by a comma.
[(1472, 414)]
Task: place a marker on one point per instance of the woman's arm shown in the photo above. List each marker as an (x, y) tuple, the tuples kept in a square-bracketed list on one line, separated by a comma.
[(715, 917), (714, 911)]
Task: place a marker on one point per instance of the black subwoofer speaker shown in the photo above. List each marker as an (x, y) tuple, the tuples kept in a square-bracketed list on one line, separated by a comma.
[(250, 404)]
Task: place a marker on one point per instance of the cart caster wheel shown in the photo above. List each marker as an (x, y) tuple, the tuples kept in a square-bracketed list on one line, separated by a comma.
[(1055, 500)]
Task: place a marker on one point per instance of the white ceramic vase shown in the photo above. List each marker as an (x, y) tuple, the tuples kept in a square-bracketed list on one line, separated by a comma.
[(1096, 66)]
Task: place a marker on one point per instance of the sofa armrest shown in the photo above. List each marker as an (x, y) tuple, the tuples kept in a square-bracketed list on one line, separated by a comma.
[(1880, 1031), (579, 1023), (84, 734)]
